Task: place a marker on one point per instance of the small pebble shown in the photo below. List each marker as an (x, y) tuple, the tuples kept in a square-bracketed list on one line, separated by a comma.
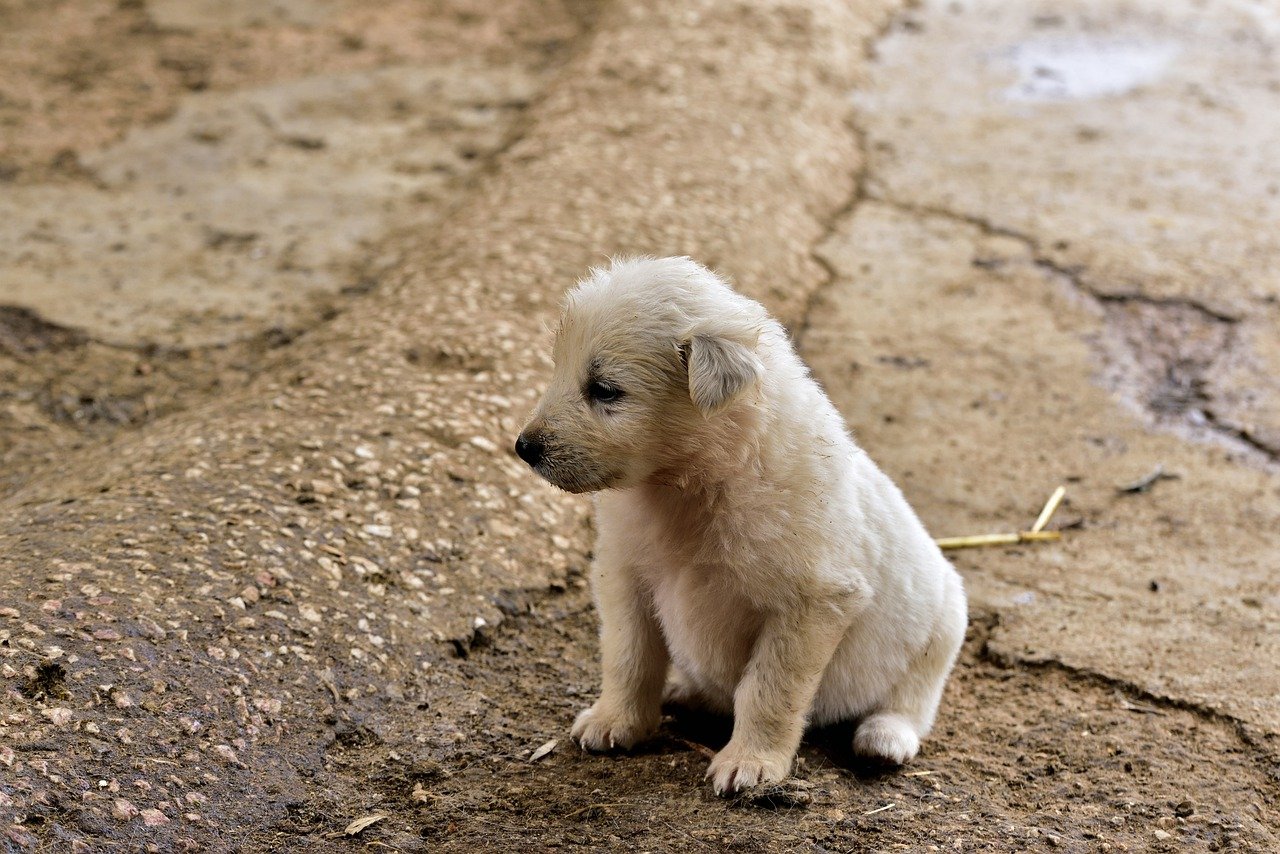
[(484, 444), (154, 818)]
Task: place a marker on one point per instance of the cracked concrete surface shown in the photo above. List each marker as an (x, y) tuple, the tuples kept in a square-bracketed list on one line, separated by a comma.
[(1068, 294), (333, 592), (1174, 360), (1162, 185), (1009, 407), (189, 186)]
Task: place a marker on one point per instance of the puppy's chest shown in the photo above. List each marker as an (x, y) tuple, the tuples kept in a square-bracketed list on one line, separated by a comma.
[(697, 566), (688, 533), (710, 629)]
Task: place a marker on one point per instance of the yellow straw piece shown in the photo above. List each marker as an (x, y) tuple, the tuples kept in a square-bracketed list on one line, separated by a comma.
[(1035, 535), (1049, 507), (997, 539)]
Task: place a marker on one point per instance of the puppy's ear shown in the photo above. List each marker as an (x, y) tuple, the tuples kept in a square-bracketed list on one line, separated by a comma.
[(719, 371)]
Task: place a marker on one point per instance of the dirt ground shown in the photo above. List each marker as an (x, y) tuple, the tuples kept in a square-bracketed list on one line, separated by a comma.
[(274, 285)]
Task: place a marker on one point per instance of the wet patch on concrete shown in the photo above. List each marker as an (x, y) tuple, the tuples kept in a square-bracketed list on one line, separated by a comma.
[(1167, 359), (1078, 68)]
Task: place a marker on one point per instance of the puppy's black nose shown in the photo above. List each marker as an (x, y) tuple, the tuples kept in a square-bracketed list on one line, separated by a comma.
[(529, 450)]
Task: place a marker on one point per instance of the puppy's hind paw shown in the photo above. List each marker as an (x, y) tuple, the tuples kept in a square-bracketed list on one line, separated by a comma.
[(679, 691), (602, 727), (889, 738)]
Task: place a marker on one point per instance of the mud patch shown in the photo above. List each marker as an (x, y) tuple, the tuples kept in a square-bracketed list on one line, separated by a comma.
[(46, 680), (1172, 350)]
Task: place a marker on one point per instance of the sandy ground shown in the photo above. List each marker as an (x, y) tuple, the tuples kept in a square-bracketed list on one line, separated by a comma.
[(274, 283)]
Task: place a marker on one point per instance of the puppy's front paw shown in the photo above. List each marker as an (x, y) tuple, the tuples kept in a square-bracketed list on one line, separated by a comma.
[(735, 768), (605, 727)]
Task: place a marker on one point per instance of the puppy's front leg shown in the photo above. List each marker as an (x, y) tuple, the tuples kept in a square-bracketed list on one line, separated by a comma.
[(777, 689), (635, 662)]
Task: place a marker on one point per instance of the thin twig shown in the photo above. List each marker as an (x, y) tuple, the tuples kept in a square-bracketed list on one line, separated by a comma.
[(1141, 707), (694, 746), (333, 689), (1145, 482)]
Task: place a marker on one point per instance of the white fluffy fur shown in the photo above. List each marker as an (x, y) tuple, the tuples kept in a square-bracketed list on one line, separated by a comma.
[(751, 557)]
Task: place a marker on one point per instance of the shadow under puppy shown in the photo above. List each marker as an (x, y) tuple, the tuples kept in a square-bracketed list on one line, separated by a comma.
[(751, 558)]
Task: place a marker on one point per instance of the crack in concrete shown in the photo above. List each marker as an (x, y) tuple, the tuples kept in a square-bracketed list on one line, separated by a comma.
[(860, 193), (1242, 435), (1264, 754), (1137, 296), (53, 353), (24, 333), (830, 274), (1073, 273), (1171, 345)]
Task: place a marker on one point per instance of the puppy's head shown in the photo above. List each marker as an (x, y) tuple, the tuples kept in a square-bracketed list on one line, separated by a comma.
[(649, 355)]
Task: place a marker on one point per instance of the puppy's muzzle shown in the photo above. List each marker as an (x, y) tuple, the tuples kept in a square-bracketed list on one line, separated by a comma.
[(530, 449)]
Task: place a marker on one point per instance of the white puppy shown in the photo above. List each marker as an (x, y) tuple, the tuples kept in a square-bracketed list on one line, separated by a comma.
[(745, 542)]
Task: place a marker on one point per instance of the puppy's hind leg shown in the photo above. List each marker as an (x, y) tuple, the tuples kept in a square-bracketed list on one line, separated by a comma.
[(892, 732), (682, 691)]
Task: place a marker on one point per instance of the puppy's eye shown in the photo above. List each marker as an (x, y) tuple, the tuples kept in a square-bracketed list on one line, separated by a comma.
[(602, 392)]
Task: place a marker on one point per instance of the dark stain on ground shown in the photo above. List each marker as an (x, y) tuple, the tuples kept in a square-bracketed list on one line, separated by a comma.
[(47, 681), (24, 333)]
